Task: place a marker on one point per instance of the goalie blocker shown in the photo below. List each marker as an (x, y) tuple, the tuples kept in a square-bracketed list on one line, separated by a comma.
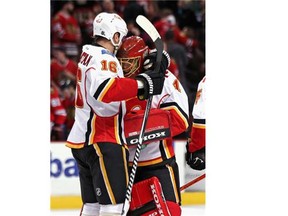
[(157, 128), (148, 200)]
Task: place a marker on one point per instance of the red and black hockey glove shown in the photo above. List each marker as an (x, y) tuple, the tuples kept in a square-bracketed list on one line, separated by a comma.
[(153, 84), (196, 160)]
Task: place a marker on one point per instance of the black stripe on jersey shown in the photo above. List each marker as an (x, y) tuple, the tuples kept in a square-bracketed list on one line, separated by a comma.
[(100, 88), (88, 132), (163, 154), (178, 107), (120, 124), (199, 121)]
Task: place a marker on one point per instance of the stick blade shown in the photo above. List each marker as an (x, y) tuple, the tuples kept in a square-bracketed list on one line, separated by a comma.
[(148, 27)]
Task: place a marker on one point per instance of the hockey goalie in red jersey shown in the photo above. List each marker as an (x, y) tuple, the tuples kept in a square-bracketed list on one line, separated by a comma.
[(195, 155), (157, 172)]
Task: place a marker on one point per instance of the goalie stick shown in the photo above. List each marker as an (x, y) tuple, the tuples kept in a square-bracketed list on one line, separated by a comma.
[(148, 27)]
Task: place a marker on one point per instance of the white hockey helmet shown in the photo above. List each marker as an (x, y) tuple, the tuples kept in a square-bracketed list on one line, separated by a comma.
[(107, 24)]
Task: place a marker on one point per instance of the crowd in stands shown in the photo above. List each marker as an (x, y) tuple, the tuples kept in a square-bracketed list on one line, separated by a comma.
[(180, 23)]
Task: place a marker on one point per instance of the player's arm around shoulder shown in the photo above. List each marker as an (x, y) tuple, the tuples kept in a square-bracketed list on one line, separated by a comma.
[(105, 75)]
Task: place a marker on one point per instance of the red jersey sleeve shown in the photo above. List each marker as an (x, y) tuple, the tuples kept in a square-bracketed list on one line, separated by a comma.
[(198, 132), (65, 28), (117, 89)]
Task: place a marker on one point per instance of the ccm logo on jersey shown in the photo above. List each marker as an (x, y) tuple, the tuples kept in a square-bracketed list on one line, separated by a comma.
[(150, 137), (156, 200)]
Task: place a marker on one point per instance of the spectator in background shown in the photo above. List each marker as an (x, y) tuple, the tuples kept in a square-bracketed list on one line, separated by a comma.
[(196, 64), (65, 30), (62, 68), (85, 12), (173, 67), (132, 10), (179, 54), (172, 5), (186, 14), (109, 7), (57, 116), (152, 10), (133, 29), (168, 22), (68, 102), (190, 16), (191, 19), (148, 9)]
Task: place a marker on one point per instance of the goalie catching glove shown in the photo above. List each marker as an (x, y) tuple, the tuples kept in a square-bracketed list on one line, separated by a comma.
[(153, 81), (150, 60)]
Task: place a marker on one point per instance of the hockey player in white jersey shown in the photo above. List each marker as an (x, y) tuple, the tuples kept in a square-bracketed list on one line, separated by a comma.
[(195, 155), (157, 158), (97, 136)]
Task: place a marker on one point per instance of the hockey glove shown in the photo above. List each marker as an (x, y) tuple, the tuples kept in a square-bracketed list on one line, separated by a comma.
[(150, 60), (196, 160), (153, 84)]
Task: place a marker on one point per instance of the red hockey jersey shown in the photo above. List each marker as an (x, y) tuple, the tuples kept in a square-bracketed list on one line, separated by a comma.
[(57, 111)]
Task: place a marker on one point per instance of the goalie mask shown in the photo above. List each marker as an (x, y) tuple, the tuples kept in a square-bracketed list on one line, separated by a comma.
[(131, 55)]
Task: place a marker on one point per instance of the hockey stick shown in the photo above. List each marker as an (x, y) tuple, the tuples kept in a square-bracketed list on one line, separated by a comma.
[(148, 27), (193, 182)]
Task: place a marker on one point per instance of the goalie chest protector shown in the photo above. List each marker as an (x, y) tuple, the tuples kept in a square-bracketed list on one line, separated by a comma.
[(157, 127)]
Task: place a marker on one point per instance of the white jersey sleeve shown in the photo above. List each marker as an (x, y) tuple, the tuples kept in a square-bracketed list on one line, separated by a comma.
[(174, 97), (199, 104)]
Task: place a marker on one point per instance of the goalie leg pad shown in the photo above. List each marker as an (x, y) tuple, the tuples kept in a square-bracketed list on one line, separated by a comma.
[(148, 199), (174, 208)]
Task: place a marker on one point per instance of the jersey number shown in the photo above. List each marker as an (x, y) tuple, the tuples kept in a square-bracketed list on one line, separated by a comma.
[(111, 65)]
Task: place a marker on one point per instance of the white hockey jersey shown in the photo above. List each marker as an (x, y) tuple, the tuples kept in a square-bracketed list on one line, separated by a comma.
[(174, 99), (198, 130), (199, 105), (100, 91)]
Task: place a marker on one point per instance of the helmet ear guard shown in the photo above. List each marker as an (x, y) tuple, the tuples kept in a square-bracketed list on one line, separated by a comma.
[(131, 55)]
